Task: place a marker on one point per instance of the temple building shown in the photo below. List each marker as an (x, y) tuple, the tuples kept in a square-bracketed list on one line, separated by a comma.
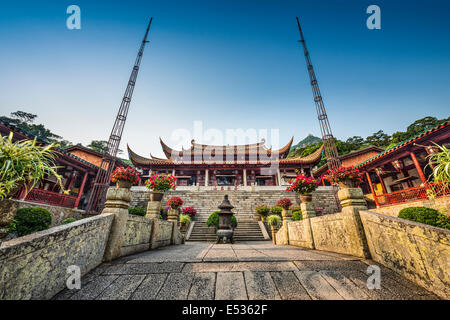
[(238, 165), (402, 173)]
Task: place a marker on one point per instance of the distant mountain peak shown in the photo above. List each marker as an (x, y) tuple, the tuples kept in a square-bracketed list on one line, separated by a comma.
[(308, 140)]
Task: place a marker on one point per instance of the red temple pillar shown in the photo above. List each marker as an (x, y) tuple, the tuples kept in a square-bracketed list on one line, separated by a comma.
[(80, 193), (371, 188), (419, 169)]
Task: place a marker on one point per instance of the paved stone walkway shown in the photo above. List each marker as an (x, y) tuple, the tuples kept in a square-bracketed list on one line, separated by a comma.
[(252, 270)]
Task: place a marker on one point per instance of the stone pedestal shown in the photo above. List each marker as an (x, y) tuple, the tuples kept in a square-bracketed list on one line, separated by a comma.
[(308, 210), (117, 203), (172, 215), (352, 200), (274, 235), (153, 209)]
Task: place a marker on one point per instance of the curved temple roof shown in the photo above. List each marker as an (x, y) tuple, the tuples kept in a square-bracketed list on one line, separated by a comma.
[(258, 154)]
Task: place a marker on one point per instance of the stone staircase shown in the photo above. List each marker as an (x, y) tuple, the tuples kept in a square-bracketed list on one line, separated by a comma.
[(244, 202)]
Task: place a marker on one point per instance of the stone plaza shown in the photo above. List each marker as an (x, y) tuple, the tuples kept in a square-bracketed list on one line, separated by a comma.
[(252, 270)]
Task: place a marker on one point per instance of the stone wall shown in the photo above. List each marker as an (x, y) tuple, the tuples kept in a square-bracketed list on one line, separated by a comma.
[(419, 252), (137, 235), (35, 266), (162, 233), (440, 204)]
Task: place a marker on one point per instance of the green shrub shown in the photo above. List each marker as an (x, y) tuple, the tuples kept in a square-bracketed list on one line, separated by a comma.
[(234, 222), (276, 210), (184, 218), (33, 219), (262, 210), (297, 215), (137, 211), (68, 220), (213, 220), (425, 215), (273, 220)]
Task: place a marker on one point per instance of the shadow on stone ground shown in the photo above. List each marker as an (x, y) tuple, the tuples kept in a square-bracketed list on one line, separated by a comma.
[(250, 270)]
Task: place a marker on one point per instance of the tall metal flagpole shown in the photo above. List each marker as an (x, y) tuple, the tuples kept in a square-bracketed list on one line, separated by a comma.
[(98, 193), (327, 136)]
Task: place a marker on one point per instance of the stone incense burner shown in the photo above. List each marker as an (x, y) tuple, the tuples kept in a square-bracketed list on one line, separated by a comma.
[(225, 231)]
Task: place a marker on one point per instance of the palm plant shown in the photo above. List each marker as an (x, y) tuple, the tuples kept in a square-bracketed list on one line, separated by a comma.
[(440, 163), (24, 164)]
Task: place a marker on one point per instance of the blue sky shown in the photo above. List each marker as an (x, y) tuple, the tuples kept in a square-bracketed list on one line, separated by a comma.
[(231, 64)]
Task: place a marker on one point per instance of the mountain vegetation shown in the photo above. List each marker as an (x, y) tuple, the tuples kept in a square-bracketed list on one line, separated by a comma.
[(380, 139)]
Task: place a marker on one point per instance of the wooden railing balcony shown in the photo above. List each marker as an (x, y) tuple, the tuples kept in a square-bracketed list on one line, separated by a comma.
[(411, 194), (51, 198)]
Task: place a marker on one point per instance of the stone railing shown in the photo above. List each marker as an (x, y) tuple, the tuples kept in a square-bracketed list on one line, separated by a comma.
[(35, 266), (419, 252)]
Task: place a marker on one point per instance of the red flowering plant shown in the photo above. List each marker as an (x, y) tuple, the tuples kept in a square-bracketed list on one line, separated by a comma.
[(303, 184), (161, 182), (190, 211), (345, 174), (128, 174), (285, 203), (175, 202)]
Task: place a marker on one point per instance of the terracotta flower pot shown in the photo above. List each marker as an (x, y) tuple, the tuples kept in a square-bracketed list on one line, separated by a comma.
[(304, 198), (124, 184), (156, 196)]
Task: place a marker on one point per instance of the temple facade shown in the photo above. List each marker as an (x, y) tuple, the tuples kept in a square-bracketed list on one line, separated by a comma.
[(218, 166)]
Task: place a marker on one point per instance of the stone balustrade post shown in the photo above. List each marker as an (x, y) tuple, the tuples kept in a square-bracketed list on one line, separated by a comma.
[(352, 201), (117, 203), (172, 215), (153, 209), (308, 210)]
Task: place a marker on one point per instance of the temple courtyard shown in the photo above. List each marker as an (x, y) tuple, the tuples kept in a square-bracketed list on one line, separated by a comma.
[(245, 270)]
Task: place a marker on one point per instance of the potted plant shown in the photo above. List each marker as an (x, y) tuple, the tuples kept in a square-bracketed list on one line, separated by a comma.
[(263, 211), (185, 220), (303, 186), (273, 221), (345, 177), (159, 184), (285, 204), (190, 211), (175, 202), (125, 178)]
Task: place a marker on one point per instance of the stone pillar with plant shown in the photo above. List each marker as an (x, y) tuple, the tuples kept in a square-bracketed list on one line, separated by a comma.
[(274, 221), (304, 186), (175, 203), (285, 205), (117, 203), (158, 184), (352, 201)]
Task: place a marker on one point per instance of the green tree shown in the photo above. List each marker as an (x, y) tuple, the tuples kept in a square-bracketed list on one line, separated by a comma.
[(355, 142), (421, 125), (379, 139), (23, 116), (101, 146)]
